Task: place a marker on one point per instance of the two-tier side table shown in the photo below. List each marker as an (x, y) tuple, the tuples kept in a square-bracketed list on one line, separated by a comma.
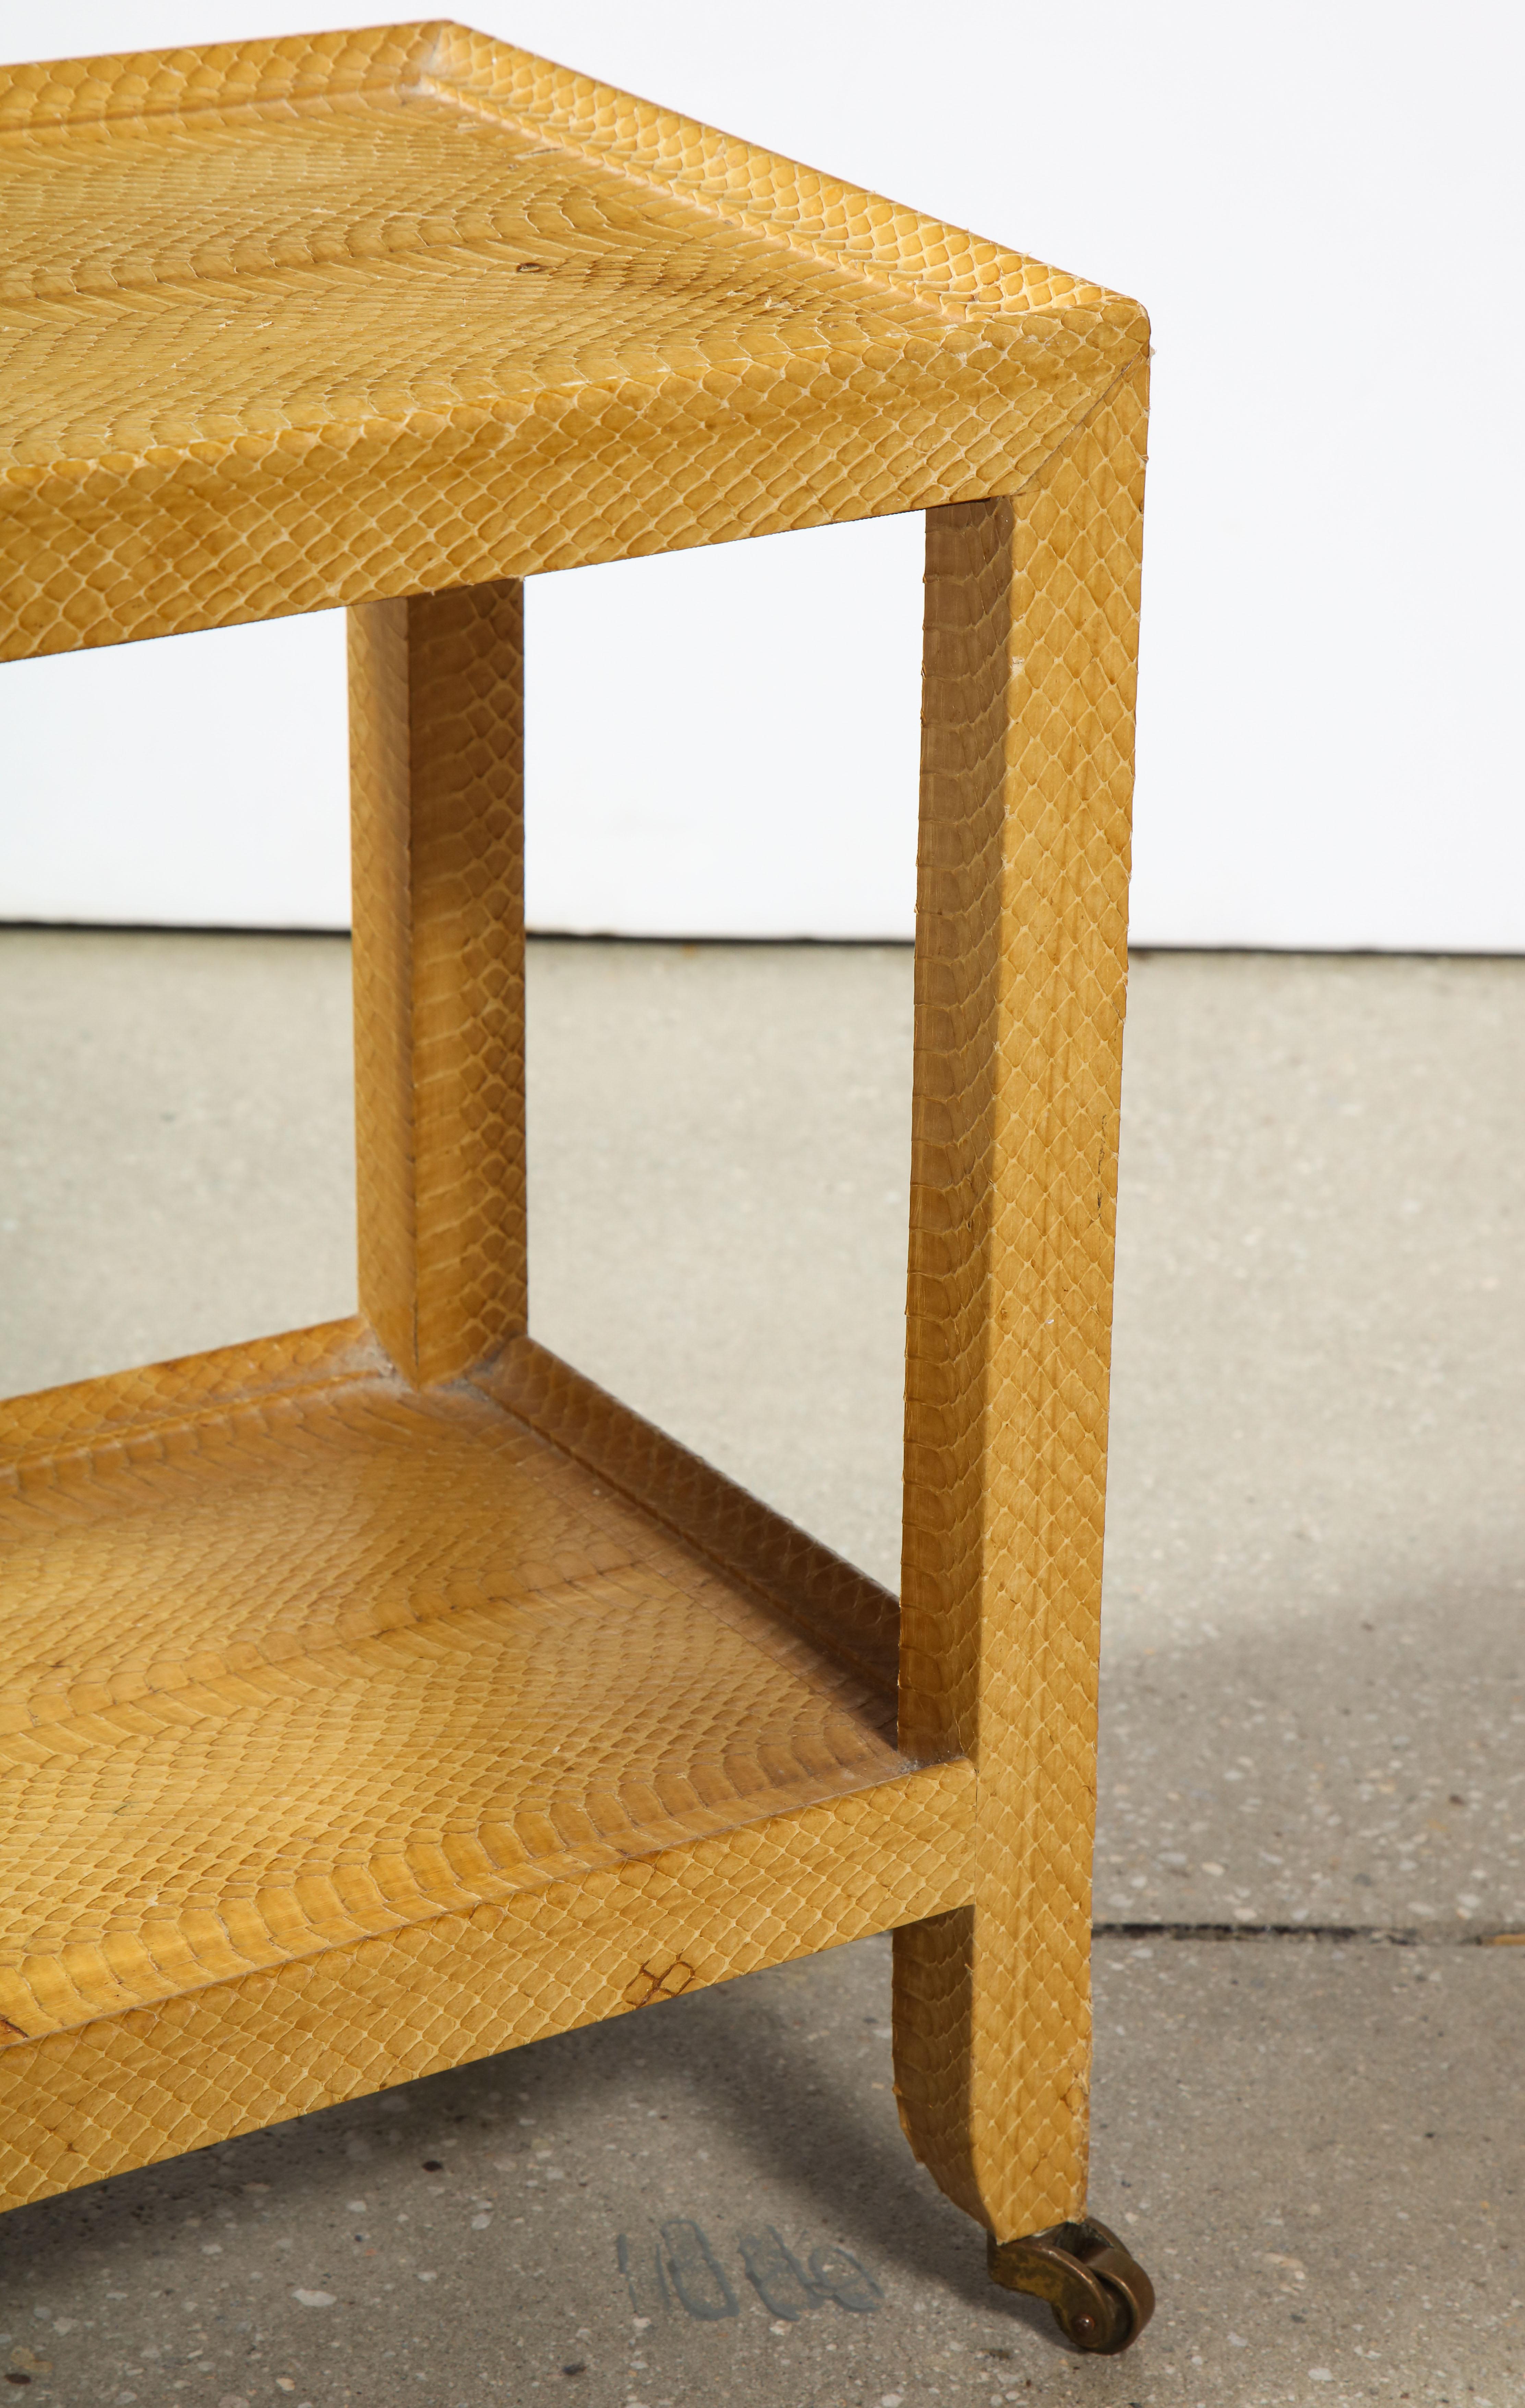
[(383, 1695)]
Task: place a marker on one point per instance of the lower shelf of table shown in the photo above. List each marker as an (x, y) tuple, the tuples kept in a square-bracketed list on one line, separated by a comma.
[(348, 1731)]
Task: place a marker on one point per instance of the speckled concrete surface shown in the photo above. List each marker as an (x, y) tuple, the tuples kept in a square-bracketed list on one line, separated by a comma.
[(1316, 2150), (176, 1150), (1313, 1692), (1316, 1535)]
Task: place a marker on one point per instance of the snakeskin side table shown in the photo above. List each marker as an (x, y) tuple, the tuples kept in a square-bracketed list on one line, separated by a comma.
[(384, 1694)]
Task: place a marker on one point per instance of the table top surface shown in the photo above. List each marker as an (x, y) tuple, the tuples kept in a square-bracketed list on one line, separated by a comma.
[(392, 244)]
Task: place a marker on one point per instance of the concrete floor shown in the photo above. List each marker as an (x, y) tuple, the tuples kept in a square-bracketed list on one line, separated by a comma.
[(1310, 1816)]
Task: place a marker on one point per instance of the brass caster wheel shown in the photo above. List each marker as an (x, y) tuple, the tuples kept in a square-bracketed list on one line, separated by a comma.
[(1100, 2297)]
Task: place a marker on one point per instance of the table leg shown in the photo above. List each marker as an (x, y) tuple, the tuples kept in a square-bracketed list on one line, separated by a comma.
[(437, 727), (1031, 604)]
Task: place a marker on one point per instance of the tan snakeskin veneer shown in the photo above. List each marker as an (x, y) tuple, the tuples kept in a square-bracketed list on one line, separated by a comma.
[(383, 1695)]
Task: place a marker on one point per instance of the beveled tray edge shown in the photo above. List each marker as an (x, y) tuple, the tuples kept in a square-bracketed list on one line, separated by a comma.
[(957, 274)]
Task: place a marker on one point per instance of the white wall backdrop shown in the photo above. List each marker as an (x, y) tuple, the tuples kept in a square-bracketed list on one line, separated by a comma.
[(1318, 201)]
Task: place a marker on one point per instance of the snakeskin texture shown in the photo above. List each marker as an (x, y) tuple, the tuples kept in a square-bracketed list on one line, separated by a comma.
[(383, 1695), (436, 746), (1031, 617), (319, 1690), (843, 1610), (149, 2083), (336, 319)]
